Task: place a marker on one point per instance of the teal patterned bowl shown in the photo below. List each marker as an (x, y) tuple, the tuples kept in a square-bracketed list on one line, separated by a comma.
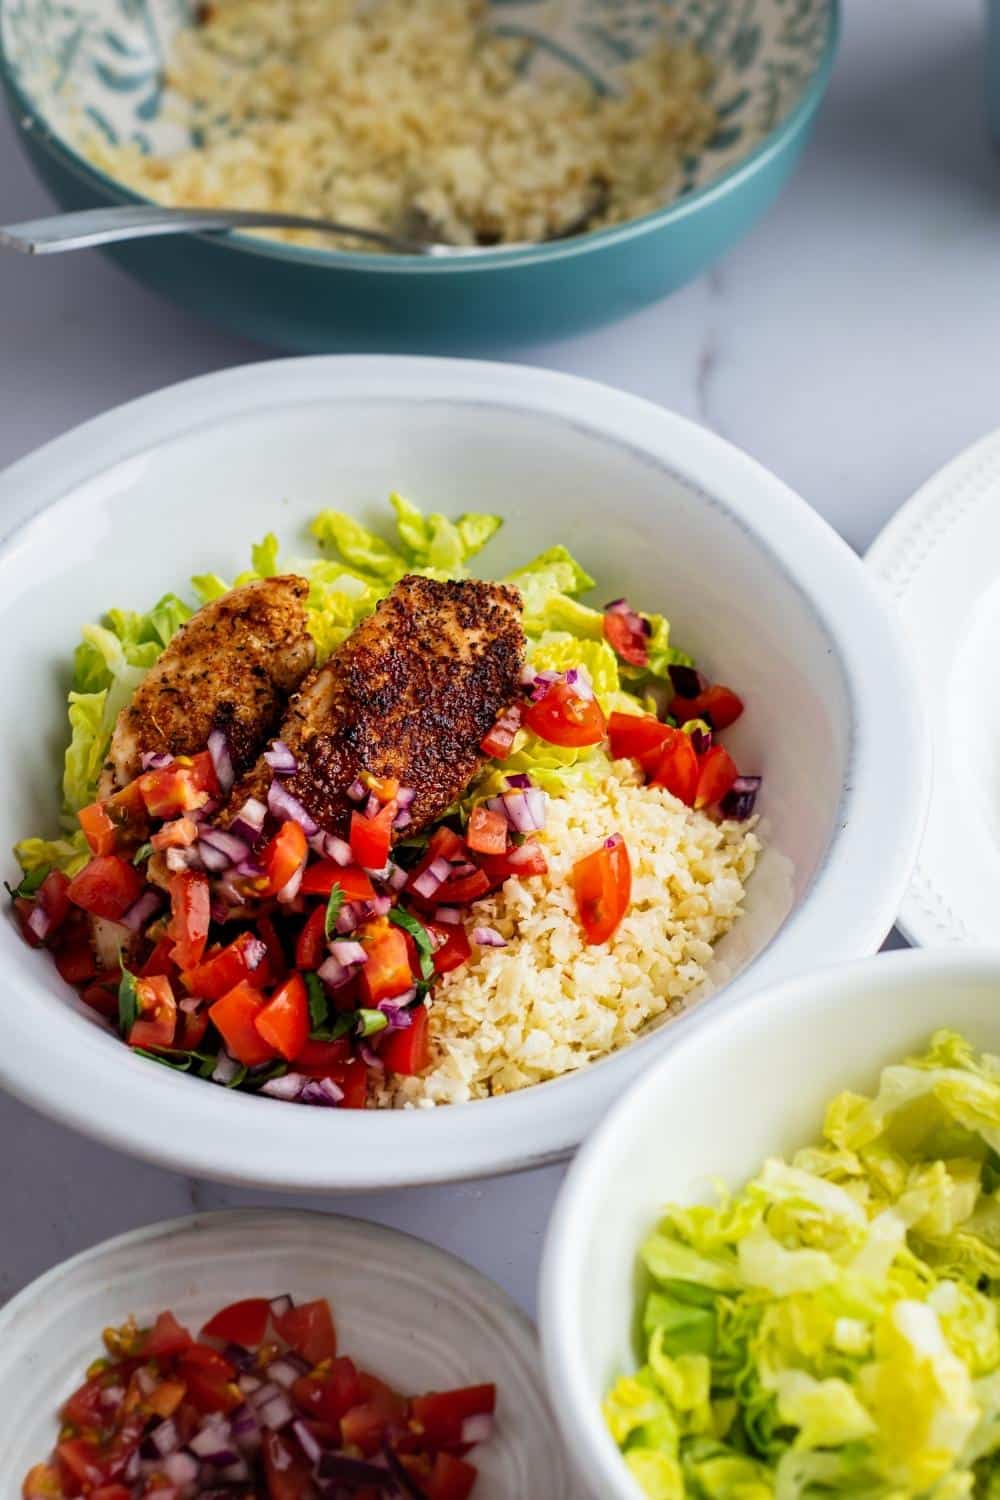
[(70, 67)]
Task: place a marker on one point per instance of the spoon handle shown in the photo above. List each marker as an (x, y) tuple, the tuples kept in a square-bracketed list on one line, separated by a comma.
[(106, 226)]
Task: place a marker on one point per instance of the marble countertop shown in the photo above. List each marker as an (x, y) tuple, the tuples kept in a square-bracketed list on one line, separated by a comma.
[(850, 344)]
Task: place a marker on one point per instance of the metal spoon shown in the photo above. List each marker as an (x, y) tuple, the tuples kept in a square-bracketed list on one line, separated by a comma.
[(106, 226)]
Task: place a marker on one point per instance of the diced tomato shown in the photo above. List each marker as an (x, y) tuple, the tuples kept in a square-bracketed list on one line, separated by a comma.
[(179, 833), (562, 717), (529, 859), (23, 907), (677, 767), (210, 1380), (103, 998), (235, 1018), (487, 831), (76, 962), (408, 1051), (352, 1078), (85, 1408), (106, 887), (166, 1337), (387, 972), (274, 965), (193, 1026), (156, 1021), (111, 1492), (160, 961), (444, 843), (450, 1479), (637, 736), (441, 1413), (498, 741), (321, 877), (327, 1395), (53, 899), (190, 904), (320, 1059), (716, 774), (603, 885), (284, 1021), (240, 1323), (462, 889), (282, 856), (718, 704), (173, 791), (371, 838), (454, 947), (221, 971), (310, 946), (42, 1482), (287, 1473), (100, 831), (630, 642), (367, 1424), (308, 1329), (84, 1462)]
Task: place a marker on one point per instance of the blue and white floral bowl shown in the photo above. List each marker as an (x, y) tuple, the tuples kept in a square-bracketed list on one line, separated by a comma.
[(73, 67)]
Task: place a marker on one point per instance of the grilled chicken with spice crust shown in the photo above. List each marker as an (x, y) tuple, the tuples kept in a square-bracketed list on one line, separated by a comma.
[(410, 695), (232, 666)]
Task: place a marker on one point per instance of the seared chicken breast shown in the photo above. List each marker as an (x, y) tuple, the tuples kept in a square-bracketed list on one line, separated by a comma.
[(409, 694), (232, 666)]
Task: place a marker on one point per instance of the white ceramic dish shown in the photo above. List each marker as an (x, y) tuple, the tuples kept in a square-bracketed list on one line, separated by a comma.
[(417, 1317), (756, 585), (937, 558), (736, 1089)]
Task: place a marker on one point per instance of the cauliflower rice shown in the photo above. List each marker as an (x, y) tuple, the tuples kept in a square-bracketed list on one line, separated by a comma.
[(548, 1004), (407, 115)]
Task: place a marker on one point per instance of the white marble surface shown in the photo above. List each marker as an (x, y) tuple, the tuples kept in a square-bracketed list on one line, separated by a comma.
[(849, 343)]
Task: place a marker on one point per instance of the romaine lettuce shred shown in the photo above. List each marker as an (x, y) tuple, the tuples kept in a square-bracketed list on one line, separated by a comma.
[(832, 1328)]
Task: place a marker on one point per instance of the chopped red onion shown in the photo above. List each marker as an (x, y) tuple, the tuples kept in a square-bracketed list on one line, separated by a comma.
[(155, 760), (190, 1004), (356, 791), (397, 876), (277, 1412), (284, 806), (520, 780), (448, 914), (347, 918), (381, 906), (40, 923), (280, 759), (488, 937), (266, 1393), (213, 859), (281, 1305), (370, 1057), (432, 879), (226, 1067), (543, 681), (286, 1371), (373, 806), (405, 796), (578, 678), (290, 889), (222, 760), (163, 1440), (307, 1442), (181, 1469), (348, 953), (146, 1381), (403, 819), (235, 849), (477, 1429), (524, 854), (687, 683), (112, 1395), (738, 803), (460, 868), (248, 823), (237, 1472), (395, 1012), (213, 1444), (321, 1091), (701, 740), (288, 1087), (525, 810), (249, 1383), (333, 973), (183, 859)]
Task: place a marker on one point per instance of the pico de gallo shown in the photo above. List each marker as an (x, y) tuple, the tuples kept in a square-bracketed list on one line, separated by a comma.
[(259, 1406)]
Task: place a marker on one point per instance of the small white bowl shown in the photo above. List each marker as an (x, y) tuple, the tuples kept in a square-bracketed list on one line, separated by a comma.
[(413, 1315), (755, 584), (738, 1088)]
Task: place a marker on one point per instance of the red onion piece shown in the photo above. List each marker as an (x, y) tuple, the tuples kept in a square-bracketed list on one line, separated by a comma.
[(283, 805), (222, 760), (190, 1004), (525, 810), (686, 682), (738, 803), (395, 1012), (181, 1469), (183, 859), (40, 923), (213, 859), (347, 918), (333, 973), (520, 780), (328, 846), (288, 1087), (235, 849), (290, 889), (403, 819), (397, 876), (226, 1067), (449, 914), (248, 823), (477, 1429), (356, 791), (307, 1442), (405, 796), (321, 1091), (286, 1371), (370, 1057), (524, 854), (280, 759), (155, 760), (349, 954), (163, 1440), (276, 1413), (432, 879), (213, 1443), (488, 937), (381, 906)]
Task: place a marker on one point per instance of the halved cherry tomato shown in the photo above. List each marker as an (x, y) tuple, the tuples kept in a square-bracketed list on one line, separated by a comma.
[(631, 644), (282, 856), (441, 1413), (321, 1059), (156, 1021), (310, 946), (240, 1323), (288, 1475), (106, 887), (487, 831), (716, 774), (99, 830), (76, 962), (320, 878), (639, 737), (166, 1337), (235, 1018), (603, 885), (387, 972), (210, 1380), (454, 947), (190, 905), (677, 767), (450, 1479), (408, 1051), (221, 971), (308, 1329), (371, 838), (498, 741), (329, 1393), (284, 1021), (718, 704), (562, 717), (527, 860)]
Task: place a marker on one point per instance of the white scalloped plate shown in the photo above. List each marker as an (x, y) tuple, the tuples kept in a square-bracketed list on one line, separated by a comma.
[(407, 1311), (939, 558)]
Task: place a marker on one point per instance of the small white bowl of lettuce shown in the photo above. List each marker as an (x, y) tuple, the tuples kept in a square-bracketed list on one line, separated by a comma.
[(775, 1269)]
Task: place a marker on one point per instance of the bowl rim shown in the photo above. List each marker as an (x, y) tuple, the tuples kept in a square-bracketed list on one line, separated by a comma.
[(559, 1284), (34, 125), (848, 908)]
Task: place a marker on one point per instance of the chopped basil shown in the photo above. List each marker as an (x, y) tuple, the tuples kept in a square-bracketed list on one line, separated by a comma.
[(142, 853), (341, 1026), (181, 1062), (371, 1021), (277, 1071), (420, 936), (128, 1002), (29, 883), (333, 906), (318, 1003), (238, 1077)]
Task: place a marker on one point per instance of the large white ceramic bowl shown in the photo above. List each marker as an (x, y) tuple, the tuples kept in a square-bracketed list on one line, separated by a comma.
[(755, 584), (739, 1087), (408, 1312)]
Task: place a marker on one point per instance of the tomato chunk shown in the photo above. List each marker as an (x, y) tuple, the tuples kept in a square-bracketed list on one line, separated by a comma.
[(352, 1078), (283, 856), (220, 972), (498, 741), (450, 1479), (321, 1059), (716, 774), (284, 1020), (387, 972), (677, 767), (637, 736), (408, 1051), (441, 1413), (240, 1323), (165, 1338), (519, 863), (562, 717), (718, 704), (454, 948), (627, 638), (327, 1395), (308, 1329), (210, 1380), (190, 904), (235, 1018), (320, 878), (156, 1020), (371, 838), (107, 887), (487, 831), (99, 830), (179, 788), (603, 885)]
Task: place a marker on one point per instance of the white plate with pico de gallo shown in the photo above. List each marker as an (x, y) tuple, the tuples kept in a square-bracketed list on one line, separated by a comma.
[(428, 815)]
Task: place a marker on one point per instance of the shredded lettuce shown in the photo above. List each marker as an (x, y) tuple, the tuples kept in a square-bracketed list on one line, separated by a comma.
[(832, 1329)]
